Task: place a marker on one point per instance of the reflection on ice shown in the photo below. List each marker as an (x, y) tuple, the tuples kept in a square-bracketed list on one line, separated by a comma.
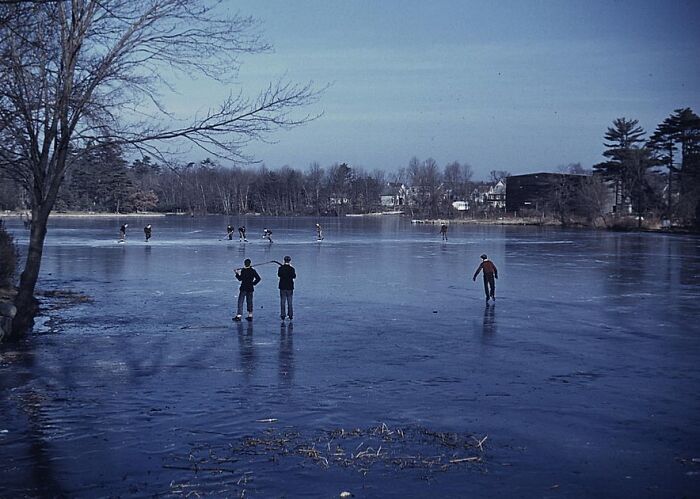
[(489, 324)]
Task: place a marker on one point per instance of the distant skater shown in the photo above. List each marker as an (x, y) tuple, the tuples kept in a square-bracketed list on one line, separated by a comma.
[(249, 279), (229, 232), (241, 234), (443, 231), (490, 274), (287, 274), (28, 220), (122, 232), (147, 232), (319, 232), (267, 234)]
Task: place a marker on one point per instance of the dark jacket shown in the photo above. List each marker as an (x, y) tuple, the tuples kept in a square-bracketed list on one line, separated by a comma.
[(249, 278), (287, 274), (489, 269)]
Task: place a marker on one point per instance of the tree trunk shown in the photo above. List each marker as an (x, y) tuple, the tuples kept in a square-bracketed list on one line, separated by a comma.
[(24, 301)]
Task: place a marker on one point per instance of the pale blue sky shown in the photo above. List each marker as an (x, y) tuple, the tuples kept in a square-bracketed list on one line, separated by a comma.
[(511, 85)]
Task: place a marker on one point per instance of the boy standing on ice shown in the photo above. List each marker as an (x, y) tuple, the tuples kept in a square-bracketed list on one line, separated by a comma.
[(490, 274), (249, 279), (287, 274), (122, 232)]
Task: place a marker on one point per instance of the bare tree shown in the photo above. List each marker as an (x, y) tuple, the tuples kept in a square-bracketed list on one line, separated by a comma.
[(426, 178), (77, 74), (314, 180), (339, 181), (457, 179)]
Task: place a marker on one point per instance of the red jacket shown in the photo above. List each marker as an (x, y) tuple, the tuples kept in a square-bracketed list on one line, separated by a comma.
[(489, 269)]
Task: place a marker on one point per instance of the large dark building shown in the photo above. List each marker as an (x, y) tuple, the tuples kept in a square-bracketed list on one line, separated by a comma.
[(536, 191)]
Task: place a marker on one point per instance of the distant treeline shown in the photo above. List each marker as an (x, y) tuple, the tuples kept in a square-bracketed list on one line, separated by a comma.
[(656, 177), (103, 181)]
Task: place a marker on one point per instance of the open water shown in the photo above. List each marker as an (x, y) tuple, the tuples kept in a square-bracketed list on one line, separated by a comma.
[(395, 379)]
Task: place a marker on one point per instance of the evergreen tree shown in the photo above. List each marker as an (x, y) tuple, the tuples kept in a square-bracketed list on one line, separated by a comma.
[(99, 180), (676, 143), (620, 139)]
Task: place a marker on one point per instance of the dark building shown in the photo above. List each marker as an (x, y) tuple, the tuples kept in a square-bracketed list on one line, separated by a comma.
[(538, 191)]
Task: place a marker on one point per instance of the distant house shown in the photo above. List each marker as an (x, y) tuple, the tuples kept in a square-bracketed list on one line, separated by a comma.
[(336, 201), (490, 196), (496, 196), (460, 205), (393, 195)]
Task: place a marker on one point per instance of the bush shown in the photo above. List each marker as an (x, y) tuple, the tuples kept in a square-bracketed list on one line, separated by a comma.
[(623, 223), (8, 257)]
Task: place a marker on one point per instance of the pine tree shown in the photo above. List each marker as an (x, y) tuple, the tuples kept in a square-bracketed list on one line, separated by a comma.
[(676, 143), (620, 139)]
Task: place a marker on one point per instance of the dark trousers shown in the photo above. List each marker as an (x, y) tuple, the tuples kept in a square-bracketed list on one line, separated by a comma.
[(248, 297), (286, 296), (489, 282)]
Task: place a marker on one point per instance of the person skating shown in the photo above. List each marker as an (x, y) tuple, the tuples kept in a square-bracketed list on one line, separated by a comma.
[(241, 234), (249, 278), (147, 232), (122, 232), (319, 232), (229, 232), (287, 274), (28, 220), (443, 231), (490, 274), (267, 234)]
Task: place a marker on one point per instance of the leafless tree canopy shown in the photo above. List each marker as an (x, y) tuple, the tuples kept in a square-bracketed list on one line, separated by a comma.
[(80, 73)]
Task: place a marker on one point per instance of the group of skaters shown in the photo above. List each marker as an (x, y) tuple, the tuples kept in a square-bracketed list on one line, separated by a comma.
[(267, 233), (241, 233), (249, 278), (147, 232)]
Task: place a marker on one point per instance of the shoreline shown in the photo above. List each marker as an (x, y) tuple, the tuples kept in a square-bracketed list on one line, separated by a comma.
[(512, 221), (489, 221), (87, 214)]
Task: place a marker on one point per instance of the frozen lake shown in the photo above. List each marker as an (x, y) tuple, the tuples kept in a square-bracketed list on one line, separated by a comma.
[(584, 376)]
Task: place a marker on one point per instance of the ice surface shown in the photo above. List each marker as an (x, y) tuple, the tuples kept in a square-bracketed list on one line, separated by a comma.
[(584, 374)]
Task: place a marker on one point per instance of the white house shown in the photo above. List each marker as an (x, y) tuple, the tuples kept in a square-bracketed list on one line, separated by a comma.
[(394, 195)]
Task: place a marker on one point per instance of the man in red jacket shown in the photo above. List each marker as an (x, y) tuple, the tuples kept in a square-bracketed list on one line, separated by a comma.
[(490, 274)]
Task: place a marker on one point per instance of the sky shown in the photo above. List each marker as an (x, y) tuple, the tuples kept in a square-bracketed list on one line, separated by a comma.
[(516, 85)]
